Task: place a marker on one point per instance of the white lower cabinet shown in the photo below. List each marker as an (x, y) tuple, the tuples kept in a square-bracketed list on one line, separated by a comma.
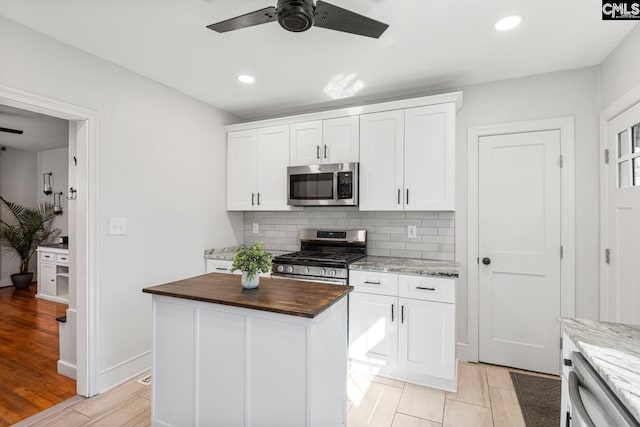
[(224, 267), (53, 274), (403, 327)]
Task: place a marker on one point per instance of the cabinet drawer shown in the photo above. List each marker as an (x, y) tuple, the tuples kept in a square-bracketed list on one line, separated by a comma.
[(47, 256), (62, 258), (219, 266), (427, 288), (374, 283)]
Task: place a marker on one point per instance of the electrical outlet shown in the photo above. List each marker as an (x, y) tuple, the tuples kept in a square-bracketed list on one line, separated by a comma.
[(117, 226), (256, 228), (412, 232)]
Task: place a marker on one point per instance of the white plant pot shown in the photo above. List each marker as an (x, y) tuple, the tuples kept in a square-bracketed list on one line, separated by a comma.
[(249, 284)]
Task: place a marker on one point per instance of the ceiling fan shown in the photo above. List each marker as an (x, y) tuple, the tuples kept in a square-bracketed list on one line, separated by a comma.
[(300, 15)]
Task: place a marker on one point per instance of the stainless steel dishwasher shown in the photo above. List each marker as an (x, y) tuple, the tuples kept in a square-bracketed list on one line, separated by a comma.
[(593, 404)]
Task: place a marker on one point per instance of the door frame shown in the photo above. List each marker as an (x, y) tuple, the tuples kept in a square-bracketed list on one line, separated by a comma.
[(567, 220), (85, 229), (627, 101)]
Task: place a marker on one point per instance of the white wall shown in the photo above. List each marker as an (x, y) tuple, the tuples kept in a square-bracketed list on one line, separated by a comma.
[(620, 71), (162, 166), (18, 184), (567, 93), (57, 162)]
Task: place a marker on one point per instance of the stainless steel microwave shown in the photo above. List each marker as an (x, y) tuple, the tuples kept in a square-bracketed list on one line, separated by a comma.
[(334, 184)]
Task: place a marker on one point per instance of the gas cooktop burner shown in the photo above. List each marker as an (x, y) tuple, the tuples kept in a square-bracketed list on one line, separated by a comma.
[(325, 255)]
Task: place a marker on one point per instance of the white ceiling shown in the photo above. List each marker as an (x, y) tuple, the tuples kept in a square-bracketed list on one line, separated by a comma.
[(40, 132), (430, 45)]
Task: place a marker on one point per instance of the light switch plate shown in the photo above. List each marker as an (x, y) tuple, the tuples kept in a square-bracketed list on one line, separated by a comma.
[(256, 228), (117, 226), (412, 232)]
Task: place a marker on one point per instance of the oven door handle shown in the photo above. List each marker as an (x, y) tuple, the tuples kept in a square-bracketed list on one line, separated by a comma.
[(576, 400)]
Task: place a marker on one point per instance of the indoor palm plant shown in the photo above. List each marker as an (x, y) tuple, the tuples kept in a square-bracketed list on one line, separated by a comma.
[(252, 261), (32, 227)]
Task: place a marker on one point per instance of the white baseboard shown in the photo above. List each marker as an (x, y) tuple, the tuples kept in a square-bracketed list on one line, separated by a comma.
[(124, 371), (67, 369), (463, 352)]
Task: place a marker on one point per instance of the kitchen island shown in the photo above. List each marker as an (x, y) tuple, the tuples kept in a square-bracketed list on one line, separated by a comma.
[(228, 356)]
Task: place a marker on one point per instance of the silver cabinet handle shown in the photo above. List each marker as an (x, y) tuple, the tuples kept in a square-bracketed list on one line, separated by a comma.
[(407, 196), (325, 151), (399, 194), (253, 196), (372, 283), (576, 400), (425, 289), (221, 268), (402, 314), (258, 199), (392, 309), (318, 151)]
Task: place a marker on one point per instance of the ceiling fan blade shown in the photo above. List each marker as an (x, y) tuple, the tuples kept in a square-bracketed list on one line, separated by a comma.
[(339, 19), (262, 16)]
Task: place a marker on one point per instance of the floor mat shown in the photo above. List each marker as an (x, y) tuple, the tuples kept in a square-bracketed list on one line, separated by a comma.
[(539, 399)]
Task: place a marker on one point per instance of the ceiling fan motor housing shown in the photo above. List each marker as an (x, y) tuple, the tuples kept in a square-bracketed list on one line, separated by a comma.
[(295, 15)]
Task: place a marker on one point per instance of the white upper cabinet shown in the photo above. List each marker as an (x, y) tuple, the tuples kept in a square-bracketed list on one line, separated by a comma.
[(325, 141), (407, 159), (381, 161), (429, 158), (305, 147), (257, 169), (241, 170), (341, 140)]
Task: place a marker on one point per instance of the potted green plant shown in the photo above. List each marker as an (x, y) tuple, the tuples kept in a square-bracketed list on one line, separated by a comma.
[(32, 227), (252, 261)]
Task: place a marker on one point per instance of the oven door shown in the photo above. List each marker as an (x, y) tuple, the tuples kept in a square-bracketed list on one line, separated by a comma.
[(311, 278)]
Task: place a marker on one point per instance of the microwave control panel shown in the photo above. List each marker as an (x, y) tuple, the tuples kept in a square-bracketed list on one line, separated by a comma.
[(345, 185)]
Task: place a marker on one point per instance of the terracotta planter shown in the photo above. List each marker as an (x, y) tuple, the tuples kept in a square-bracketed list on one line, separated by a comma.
[(22, 280)]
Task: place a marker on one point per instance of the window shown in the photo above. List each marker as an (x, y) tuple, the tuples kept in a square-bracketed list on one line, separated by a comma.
[(628, 157)]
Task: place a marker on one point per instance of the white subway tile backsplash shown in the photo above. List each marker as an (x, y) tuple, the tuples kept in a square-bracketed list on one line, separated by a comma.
[(387, 231)]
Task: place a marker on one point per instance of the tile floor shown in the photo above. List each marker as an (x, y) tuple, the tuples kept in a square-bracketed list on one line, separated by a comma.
[(485, 397)]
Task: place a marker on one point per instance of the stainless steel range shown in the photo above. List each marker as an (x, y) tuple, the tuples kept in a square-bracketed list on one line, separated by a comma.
[(325, 256)]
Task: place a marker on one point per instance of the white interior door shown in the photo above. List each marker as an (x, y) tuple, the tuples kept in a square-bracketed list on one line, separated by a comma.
[(624, 216), (519, 249)]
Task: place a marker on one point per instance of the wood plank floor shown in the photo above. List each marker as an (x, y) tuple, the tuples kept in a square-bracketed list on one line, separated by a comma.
[(485, 397), (29, 381)]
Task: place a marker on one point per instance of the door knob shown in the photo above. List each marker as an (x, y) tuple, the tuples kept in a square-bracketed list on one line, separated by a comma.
[(486, 261)]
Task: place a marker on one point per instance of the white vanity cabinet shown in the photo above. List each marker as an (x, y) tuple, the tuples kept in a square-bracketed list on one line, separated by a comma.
[(325, 141), (257, 161), (407, 159), (403, 327), (53, 274)]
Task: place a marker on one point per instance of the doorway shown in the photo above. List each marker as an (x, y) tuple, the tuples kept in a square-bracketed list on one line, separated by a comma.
[(520, 242), (82, 257), (620, 295)]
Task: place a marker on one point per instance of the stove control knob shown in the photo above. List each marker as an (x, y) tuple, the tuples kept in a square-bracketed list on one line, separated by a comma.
[(289, 269), (332, 273), (305, 270), (280, 268), (321, 272)]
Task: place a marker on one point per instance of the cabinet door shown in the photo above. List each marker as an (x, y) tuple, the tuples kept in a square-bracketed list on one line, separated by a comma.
[(427, 338), (381, 161), (429, 158), (373, 328), (341, 140), (241, 170), (306, 143), (47, 279), (272, 161)]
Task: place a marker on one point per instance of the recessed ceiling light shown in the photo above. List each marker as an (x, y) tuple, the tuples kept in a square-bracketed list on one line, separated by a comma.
[(508, 22), (245, 78)]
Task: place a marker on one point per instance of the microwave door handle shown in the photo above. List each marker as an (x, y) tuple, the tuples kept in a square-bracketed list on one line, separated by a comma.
[(336, 184)]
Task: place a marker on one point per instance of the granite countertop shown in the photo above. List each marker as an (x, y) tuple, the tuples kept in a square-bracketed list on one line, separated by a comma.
[(228, 253), (277, 295), (613, 350), (63, 246), (416, 267)]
